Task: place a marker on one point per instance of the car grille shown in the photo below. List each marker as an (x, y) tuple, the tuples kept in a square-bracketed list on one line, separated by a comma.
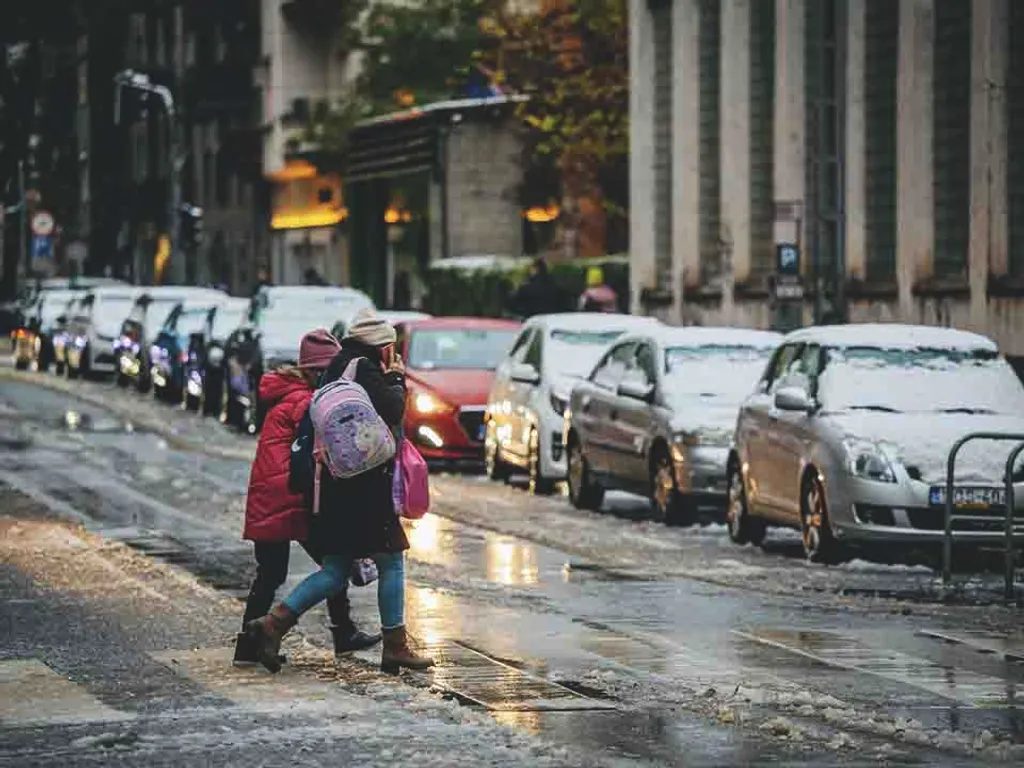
[(934, 519), (472, 421)]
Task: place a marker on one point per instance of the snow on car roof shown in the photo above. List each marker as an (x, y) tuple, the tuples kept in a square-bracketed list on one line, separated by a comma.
[(706, 336), (592, 321), (892, 336)]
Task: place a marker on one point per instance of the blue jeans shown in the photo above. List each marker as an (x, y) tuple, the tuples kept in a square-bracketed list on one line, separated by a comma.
[(332, 579)]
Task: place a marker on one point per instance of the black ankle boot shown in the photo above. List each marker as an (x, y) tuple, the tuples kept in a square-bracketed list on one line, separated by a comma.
[(246, 652), (348, 639)]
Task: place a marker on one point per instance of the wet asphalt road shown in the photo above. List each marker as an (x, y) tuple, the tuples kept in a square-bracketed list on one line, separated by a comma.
[(672, 670)]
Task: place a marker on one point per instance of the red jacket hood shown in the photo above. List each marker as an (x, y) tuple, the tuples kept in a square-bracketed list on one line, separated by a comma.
[(274, 387), (458, 387)]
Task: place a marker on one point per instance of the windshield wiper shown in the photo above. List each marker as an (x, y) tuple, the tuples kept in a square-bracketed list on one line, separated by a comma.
[(876, 408), (969, 411)]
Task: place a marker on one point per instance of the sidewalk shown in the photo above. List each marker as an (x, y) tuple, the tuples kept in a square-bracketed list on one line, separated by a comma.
[(106, 653)]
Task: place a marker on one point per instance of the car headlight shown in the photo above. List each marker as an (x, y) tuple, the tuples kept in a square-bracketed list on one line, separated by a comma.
[(215, 355), (706, 436), (560, 404), (426, 403), (868, 461)]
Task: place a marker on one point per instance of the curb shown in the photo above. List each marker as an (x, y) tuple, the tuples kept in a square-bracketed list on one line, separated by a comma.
[(146, 423)]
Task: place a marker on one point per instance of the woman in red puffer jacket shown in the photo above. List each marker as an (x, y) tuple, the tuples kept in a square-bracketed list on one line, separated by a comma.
[(274, 515)]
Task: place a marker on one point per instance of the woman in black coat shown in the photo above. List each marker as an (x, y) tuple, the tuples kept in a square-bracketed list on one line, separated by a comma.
[(357, 516)]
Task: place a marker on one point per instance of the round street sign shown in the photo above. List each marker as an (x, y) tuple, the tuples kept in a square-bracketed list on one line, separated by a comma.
[(42, 223)]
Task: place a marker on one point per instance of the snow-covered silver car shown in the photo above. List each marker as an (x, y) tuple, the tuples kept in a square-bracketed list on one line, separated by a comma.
[(847, 436), (657, 414)]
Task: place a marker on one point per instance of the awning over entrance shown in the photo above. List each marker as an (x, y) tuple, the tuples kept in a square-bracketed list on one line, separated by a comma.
[(409, 142)]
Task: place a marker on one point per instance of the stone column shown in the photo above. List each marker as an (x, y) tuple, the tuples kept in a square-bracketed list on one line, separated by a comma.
[(915, 205), (856, 233), (734, 147), (989, 237), (789, 140), (685, 150), (641, 150)]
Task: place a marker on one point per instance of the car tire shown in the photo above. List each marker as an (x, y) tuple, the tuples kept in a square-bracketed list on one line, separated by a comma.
[(143, 383), (58, 369), (495, 468), (667, 504), (820, 545), (582, 492), (122, 380), (743, 527), (538, 485), (21, 365)]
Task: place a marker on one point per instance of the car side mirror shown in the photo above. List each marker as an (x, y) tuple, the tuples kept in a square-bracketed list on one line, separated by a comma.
[(525, 373), (636, 389), (793, 399)]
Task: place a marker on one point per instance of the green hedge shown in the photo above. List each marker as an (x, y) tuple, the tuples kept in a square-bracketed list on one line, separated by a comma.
[(484, 293)]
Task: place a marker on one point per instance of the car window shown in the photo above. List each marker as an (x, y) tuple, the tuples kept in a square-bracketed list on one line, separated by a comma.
[(520, 344), (779, 365), (805, 369), (645, 364), (534, 352), (610, 370)]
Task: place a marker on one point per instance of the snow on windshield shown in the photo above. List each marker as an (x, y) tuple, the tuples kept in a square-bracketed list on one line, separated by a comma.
[(453, 348), (226, 321), (292, 319), (577, 352), (192, 321), (721, 373), (109, 314), (920, 381)]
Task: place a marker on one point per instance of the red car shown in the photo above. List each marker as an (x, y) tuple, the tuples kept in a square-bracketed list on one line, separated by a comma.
[(450, 362)]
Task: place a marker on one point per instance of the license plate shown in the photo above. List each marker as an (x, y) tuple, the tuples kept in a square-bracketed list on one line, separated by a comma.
[(969, 496), (481, 431)]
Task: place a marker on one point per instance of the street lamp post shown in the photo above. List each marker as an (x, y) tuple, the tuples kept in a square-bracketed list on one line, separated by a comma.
[(141, 82)]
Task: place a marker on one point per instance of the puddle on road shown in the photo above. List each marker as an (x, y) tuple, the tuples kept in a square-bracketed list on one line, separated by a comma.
[(76, 421)]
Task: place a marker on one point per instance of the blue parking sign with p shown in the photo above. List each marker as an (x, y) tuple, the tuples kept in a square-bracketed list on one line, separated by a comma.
[(42, 247)]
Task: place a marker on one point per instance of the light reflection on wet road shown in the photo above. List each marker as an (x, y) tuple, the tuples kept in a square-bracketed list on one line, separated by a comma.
[(652, 644)]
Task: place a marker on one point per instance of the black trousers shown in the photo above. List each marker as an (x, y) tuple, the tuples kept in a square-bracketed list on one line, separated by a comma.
[(271, 572)]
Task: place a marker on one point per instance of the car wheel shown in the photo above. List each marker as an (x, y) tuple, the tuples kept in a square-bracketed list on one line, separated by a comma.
[(496, 468), (538, 484), (582, 492), (743, 527), (667, 504), (58, 369), (820, 545), (122, 380), (21, 365), (143, 383)]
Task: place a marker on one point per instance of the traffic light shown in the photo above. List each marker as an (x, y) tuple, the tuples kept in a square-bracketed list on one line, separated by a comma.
[(191, 226)]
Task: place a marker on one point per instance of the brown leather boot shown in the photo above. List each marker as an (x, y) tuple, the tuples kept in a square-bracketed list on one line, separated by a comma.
[(267, 632), (398, 654)]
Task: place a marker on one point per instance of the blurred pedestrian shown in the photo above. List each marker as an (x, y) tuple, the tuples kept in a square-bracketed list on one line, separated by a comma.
[(356, 517), (539, 295), (598, 296), (312, 277), (274, 515), (262, 281)]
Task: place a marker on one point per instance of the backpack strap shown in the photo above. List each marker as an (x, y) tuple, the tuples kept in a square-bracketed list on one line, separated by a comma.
[(350, 370), (316, 485)]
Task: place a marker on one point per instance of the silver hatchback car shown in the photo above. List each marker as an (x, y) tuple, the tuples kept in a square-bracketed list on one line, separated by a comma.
[(847, 436), (657, 414)]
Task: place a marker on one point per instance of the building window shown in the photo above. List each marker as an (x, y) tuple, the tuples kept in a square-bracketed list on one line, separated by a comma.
[(1015, 134), (160, 39), (762, 126), (709, 204), (825, 78), (137, 41), (881, 46), (140, 146), (661, 17), (952, 137)]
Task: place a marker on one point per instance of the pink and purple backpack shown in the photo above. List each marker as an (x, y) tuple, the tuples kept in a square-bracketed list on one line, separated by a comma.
[(350, 437), (411, 491)]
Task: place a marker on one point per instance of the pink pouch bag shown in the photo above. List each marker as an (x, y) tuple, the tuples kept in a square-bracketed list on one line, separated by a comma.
[(411, 489)]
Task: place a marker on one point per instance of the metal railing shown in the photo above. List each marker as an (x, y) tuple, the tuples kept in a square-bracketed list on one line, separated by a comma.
[(1009, 532)]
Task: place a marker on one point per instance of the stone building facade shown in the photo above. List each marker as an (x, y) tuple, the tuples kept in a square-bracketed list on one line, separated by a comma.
[(882, 138)]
